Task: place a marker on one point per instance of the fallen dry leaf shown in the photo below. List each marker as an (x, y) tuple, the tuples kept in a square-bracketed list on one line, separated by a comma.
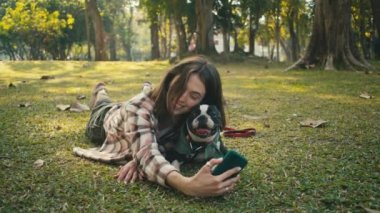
[(47, 77), (313, 123), (63, 107), (64, 207), (58, 127), (366, 96), (81, 97), (370, 210), (38, 163), (27, 104), (78, 107), (74, 107), (12, 85), (250, 117)]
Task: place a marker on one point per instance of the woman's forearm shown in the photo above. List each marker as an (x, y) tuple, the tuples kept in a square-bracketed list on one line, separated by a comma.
[(179, 182)]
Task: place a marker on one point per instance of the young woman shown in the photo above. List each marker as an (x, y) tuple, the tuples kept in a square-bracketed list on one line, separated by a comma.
[(133, 130)]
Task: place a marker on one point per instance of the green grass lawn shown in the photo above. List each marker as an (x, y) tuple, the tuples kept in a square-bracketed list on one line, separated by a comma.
[(291, 168)]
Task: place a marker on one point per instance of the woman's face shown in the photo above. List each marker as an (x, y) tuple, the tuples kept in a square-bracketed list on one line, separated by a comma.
[(193, 95)]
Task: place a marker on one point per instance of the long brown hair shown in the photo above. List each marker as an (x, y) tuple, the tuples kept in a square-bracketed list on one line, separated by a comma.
[(171, 90)]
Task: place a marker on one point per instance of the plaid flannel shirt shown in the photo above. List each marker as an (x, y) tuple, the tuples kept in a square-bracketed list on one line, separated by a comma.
[(131, 134)]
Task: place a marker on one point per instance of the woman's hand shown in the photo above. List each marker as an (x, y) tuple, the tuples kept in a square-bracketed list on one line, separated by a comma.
[(204, 184), (129, 173)]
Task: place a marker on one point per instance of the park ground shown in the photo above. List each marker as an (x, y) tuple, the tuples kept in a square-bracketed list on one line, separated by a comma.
[(331, 168)]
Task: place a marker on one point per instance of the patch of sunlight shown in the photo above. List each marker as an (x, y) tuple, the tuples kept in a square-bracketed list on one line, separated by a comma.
[(251, 86), (60, 94), (63, 153), (279, 78), (129, 86), (284, 87), (60, 124), (340, 98), (69, 90), (33, 98), (12, 76), (233, 95), (295, 88), (123, 66)]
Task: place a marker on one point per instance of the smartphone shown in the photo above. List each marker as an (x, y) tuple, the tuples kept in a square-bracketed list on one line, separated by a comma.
[(231, 160)]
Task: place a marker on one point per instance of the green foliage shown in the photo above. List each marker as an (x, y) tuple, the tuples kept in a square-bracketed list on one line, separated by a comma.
[(254, 9), (33, 24), (29, 17), (291, 168), (152, 8), (227, 16), (49, 29), (118, 17), (302, 18)]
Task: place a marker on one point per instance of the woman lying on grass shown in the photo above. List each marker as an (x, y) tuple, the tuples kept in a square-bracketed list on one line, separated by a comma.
[(132, 131)]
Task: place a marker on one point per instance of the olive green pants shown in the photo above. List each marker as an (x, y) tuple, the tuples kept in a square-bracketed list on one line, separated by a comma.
[(94, 128)]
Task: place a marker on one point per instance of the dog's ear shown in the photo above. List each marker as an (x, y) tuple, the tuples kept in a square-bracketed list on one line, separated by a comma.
[(212, 110), (214, 113)]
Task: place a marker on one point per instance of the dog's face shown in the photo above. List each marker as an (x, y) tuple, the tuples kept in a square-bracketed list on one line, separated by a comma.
[(204, 123)]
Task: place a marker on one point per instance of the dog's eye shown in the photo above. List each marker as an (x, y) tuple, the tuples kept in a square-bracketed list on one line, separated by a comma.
[(214, 113), (195, 111)]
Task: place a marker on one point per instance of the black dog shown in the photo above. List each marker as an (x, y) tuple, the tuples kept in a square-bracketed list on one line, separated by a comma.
[(199, 138)]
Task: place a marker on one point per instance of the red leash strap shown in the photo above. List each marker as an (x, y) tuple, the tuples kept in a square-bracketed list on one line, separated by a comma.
[(234, 133)]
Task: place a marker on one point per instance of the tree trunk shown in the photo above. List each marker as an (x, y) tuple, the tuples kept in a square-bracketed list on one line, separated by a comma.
[(295, 49), (154, 37), (112, 42), (236, 46), (63, 50), (180, 28), (226, 41), (35, 50), (170, 37), (112, 39), (376, 20), (285, 47), (88, 35), (181, 34), (9, 50), (100, 36), (127, 36), (163, 31), (21, 51), (331, 45), (364, 42), (277, 33), (127, 49), (205, 24), (376, 14), (252, 35)]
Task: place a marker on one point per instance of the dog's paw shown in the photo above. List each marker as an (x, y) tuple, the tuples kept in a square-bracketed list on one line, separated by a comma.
[(176, 164)]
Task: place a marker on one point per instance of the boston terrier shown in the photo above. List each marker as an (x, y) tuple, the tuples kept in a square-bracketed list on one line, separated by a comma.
[(199, 138)]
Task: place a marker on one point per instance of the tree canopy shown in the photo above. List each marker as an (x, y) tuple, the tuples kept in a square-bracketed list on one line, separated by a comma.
[(279, 30)]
